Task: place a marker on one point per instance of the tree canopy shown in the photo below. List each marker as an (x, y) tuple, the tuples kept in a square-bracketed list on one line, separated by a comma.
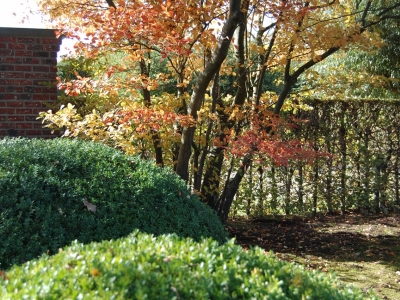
[(360, 72), (208, 136)]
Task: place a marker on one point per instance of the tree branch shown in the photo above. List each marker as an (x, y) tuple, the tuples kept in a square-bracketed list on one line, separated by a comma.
[(111, 3)]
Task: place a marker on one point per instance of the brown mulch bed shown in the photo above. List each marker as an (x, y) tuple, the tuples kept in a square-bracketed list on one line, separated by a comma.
[(334, 236)]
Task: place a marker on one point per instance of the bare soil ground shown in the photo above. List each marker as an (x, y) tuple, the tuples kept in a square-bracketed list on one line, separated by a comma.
[(362, 251)]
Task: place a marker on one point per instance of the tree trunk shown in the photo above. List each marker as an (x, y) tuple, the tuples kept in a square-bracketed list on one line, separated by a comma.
[(343, 151), (329, 177), (288, 186), (378, 183), (211, 181), (300, 182), (315, 189), (145, 73), (396, 170), (366, 163), (260, 208), (216, 98), (274, 190), (249, 196), (232, 185), (203, 80)]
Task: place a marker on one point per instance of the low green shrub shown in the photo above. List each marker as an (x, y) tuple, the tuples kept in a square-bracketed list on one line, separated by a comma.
[(56, 191), (141, 266)]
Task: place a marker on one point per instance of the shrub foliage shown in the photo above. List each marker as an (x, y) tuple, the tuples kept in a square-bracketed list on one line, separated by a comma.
[(56, 191), (141, 266)]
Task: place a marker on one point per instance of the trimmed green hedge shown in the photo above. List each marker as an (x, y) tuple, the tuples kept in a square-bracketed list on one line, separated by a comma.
[(141, 266), (44, 184)]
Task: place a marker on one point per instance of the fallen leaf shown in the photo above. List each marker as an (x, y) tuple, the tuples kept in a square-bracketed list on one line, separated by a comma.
[(3, 275), (90, 206), (95, 272)]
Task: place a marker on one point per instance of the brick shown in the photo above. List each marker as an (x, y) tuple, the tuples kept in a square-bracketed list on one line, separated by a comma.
[(51, 48), (16, 119), (7, 125), (26, 40), (15, 75), (9, 97), (31, 61), (33, 75), (34, 132), (33, 104), (37, 111), (51, 89), (32, 119), (15, 104), (50, 61), (7, 111), (7, 52), (48, 76), (54, 41), (41, 69), (16, 46), (8, 39), (42, 83), (38, 124), (13, 60), (23, 53), (25, 96), (40, 97), (23, 68), (40, 54), (14, 89), (30, 89), (23, 82), (24, 125), (48, 132), (6, 81), (7, 68), (34, 47), (24, 111), (28, 67)]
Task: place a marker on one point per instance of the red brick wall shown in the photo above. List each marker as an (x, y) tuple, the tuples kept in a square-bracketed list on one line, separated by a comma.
[(28, 66)]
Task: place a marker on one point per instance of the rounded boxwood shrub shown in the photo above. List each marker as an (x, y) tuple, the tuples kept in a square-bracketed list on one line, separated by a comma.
[(56, 191), (141, 266)]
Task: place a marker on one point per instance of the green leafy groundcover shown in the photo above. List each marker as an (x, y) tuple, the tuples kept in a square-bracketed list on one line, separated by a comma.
[(142, 266), (60, 190)]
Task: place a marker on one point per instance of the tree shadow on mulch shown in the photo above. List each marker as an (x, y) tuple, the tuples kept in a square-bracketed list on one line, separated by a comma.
[(351, 237)]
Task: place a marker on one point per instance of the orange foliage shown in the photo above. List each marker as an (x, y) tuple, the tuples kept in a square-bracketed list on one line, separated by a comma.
[(193, 38)]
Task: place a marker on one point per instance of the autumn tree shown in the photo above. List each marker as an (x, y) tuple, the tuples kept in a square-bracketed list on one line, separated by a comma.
[(208, 131), (363, 72)]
